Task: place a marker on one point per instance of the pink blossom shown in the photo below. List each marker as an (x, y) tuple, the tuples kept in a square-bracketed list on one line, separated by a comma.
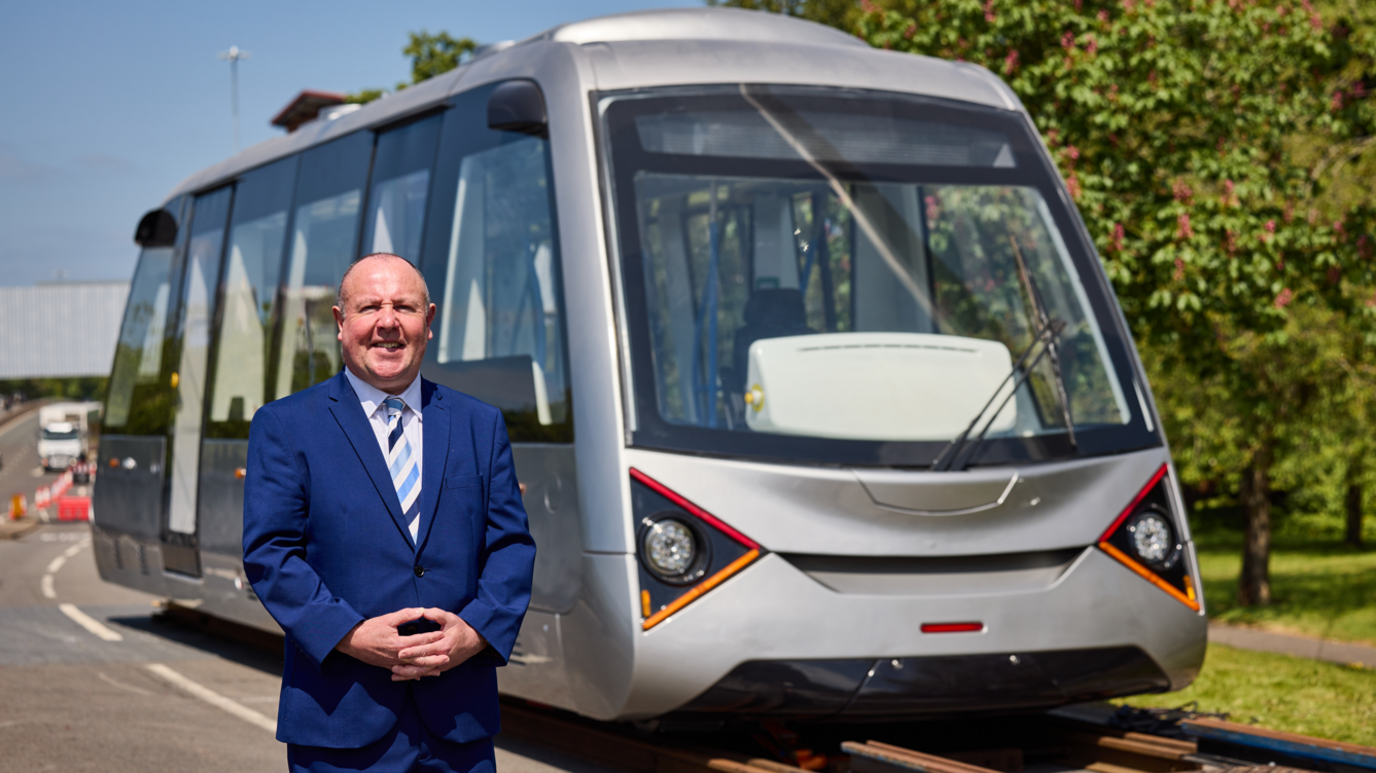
[(989, 11), (1010, 63), (1118, 237), (1183, 229), (1283, 299), (1092, 46), (1068, 40), (1270, 226), (1103, 17), (1179, 270)]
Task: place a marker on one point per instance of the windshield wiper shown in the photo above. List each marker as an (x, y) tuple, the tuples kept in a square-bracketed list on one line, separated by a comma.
[(963, 452), (1048, 331), (1043, 320)]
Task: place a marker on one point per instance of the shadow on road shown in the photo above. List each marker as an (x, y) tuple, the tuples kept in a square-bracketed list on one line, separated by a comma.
[(213, 636)]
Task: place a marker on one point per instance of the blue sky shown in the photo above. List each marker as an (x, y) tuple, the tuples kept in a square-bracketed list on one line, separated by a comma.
[(109, 105)]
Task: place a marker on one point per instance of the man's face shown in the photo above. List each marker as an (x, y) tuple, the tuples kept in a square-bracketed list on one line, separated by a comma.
[(385, 323)]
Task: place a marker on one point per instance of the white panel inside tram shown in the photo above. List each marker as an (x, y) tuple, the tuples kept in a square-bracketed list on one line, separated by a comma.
[(321, 249), (198, 299), (397, 214), (257, 236), (733, 263)]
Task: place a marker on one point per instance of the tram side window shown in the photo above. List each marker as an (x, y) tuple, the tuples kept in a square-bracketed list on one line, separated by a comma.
[(500, 329), (137, 402), (401, 184), (253, 262), (324, 235)]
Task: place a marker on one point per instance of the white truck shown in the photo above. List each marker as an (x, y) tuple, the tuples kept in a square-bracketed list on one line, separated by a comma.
[(63, 432)]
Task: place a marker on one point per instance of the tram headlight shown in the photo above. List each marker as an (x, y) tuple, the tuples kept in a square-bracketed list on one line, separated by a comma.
[(1143, 538), (1152, 537), (670, 547)]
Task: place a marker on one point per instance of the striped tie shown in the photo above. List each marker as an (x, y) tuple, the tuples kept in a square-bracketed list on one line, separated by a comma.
[(402, 466)]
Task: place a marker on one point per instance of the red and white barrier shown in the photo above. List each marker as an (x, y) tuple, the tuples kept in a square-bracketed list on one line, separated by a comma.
[(74, 509)]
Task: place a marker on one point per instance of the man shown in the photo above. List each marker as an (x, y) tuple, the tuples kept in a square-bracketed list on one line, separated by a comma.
[(384, 531)]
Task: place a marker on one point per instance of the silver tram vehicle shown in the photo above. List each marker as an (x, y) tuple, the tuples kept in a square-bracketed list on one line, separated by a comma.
[(824, 405)]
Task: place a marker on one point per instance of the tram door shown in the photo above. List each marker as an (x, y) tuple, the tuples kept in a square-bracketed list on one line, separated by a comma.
[(200, 275)]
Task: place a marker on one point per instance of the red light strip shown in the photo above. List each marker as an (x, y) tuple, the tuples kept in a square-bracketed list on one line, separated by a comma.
[(953, 627), (1123, 516), (669, 494)]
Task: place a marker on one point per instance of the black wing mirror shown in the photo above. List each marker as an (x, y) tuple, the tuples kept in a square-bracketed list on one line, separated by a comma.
[(157, 229), (518, 106)]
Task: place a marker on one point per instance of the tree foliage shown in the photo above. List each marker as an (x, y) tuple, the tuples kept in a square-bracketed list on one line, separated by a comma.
[(1205, 144), (431, 55)]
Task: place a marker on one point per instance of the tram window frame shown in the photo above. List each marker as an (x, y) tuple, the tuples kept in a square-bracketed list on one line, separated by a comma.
[(322, 176), (402, 151), (465, 134), (147, 410), (622, 157), (245, 194)]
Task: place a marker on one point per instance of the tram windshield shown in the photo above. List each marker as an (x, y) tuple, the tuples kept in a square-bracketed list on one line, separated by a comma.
[(849, 276)]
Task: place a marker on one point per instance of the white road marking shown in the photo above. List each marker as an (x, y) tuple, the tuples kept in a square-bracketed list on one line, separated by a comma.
[(89, 623), (122, 685), (36, 472), (213, 698), (57, 563)]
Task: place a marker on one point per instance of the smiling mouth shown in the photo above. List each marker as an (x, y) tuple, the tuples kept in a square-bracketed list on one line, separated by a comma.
[(390, 346)]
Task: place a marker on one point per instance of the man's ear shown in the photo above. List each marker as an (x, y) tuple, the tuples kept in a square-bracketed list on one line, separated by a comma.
[(429, 321), (339, 322)]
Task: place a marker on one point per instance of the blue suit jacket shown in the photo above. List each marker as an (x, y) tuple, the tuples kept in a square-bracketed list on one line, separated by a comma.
[(325, 547)]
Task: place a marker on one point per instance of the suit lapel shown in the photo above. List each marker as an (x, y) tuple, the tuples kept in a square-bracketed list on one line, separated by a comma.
[(349, 413), (435, 442)]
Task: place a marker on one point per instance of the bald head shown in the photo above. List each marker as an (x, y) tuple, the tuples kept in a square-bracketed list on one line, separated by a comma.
[(341, 296), (384, 317)]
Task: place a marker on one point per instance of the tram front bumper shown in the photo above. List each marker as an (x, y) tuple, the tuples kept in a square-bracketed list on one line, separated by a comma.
[(773, 641), (890, 687)]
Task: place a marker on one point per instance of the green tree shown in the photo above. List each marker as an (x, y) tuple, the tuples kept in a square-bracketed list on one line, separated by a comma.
[(431, 55), (1174, 123)]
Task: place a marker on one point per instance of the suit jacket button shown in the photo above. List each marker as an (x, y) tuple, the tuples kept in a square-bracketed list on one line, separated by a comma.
[(420, 570)]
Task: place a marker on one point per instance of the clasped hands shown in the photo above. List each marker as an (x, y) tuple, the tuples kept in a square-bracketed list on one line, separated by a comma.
[(376, 641)]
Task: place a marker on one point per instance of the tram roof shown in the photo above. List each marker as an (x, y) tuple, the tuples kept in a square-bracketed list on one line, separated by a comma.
[(682, 46)]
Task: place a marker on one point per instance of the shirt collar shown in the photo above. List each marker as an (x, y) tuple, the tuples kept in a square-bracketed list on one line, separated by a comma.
[(371, 397)]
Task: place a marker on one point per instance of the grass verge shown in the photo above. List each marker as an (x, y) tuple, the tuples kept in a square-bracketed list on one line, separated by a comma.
[(1321, 590), (1281, 692)]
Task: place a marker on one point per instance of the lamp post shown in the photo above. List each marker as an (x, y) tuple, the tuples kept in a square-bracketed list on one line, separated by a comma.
[(233, 55)]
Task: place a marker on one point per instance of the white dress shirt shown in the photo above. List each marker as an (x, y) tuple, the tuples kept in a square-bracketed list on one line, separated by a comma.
[(371, 398)]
